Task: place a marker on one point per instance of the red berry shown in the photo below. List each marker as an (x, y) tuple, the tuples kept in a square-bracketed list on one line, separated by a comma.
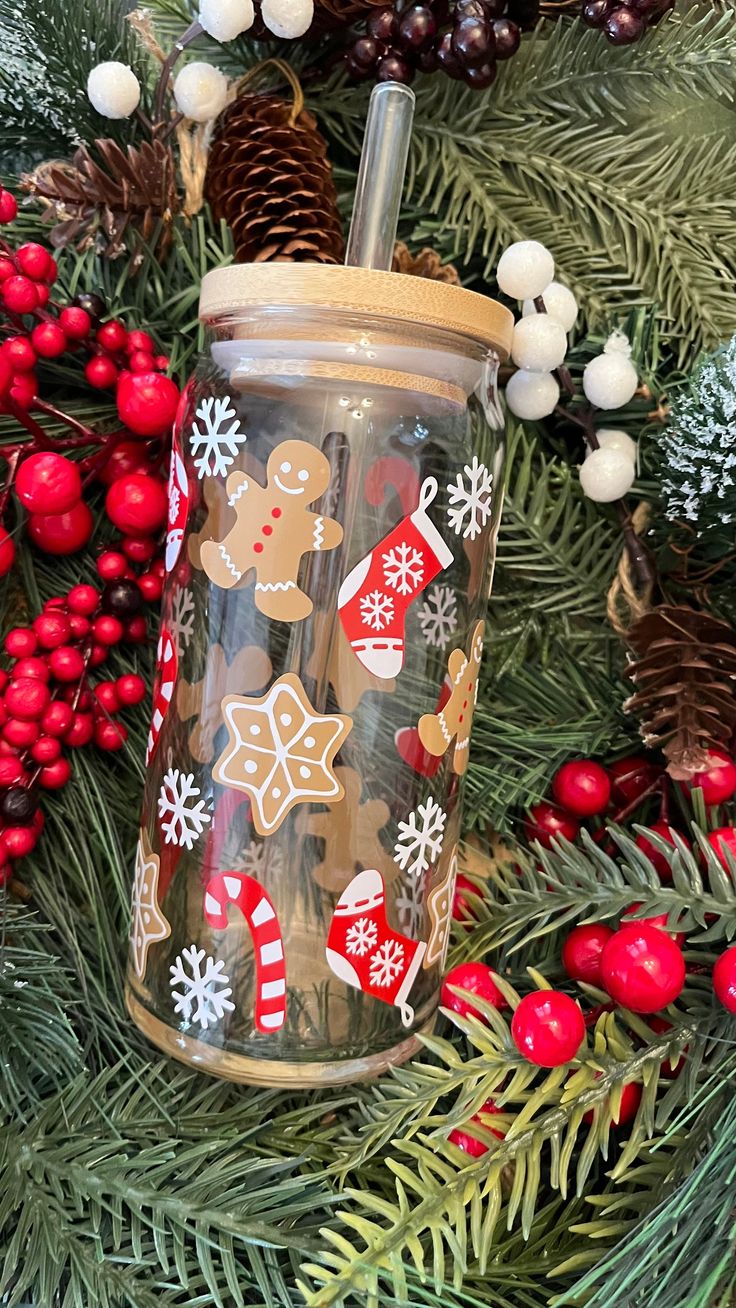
[(137, 504), (24, 389), (111, 565), (462, 908), (33, 260), (52, 629), (110, 735), (628, 1104), (62, 533), (76, 323), (20, 642), (642, 968), (42, 294), (7, 552), (55, 775), (20, 353), (48, 483), (52, 271), (546, 823), (98, 656), (657, 859), (19, 732), (721, 840), (101, 372), (57, 719), (656, 920), (79, 626), (7, 375), (548, 1028), (107, 696), (107, 629), (136, 630), (162, 362), (630, 777), (138, 340), (12, 771), (48, 340), (32, 667), (27, 698), (19, 294), (126, 457), (16, 842), (83, 599), (581, 952), (724, 979), (112, 336), (131, 688), (718, 780), (140, 361), (476, 978), (139, 549), (582, 787), (7, 268), (46, 749), (8, 207), (158, 568), (151, 587), (56, 602), (66, 663), (81, 731), (147, 402), (469, 1143), (81, 700)]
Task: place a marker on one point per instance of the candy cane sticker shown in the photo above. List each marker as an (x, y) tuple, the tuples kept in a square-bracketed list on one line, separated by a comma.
[(167, 664), (244, 891)]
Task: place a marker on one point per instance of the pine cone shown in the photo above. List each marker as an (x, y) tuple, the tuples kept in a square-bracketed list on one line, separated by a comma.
[(91, 201), (271, 180), (685, 674), (426, 263)]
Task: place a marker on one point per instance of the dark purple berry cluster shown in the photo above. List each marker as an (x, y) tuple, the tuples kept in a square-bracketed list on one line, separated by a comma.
[(624, 21), (465, 39)]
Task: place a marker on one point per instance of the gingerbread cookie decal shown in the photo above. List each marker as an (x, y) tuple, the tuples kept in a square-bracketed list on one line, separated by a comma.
[(453, 722), (439, 904), (273, 529), (350, 830), (280, 751)]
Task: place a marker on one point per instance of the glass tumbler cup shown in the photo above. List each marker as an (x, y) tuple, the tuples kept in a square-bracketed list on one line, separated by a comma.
[(334, 496)]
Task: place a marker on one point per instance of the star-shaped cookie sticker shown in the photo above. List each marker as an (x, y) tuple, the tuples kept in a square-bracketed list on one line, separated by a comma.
[(249, 670), (350, 830), (149, 924), (280, 752)]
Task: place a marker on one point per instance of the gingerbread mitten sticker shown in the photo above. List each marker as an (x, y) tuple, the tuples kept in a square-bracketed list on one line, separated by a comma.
[(437, 730), (273, 529)]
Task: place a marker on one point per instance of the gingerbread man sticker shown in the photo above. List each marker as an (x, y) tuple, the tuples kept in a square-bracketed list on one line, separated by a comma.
[(437, 730), (273, 529)]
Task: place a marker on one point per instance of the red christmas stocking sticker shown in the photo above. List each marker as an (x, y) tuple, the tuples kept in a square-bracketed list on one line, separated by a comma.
[(365, 952), (167, 665), (375, 595), (255, 904)]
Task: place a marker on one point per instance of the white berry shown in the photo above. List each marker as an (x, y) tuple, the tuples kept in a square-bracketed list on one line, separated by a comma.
[(609, 438), (113, 89), (539, 343), (226, 19), (532, 395), (560, 304), (200, 91), (525, 269), (607, 475), (610, 380), (287, 18)]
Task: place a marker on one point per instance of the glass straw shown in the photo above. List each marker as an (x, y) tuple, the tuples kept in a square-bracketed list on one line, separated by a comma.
[(381, 177)]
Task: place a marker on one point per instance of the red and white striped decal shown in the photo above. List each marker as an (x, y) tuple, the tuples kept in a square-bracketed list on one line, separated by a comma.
[(166, 668), (243, 890)]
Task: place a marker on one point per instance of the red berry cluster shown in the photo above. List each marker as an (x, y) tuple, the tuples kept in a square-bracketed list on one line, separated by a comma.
[(624, 21), (465, 40)]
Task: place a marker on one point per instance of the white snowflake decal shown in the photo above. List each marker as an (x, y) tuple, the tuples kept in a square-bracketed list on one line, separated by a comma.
[(420, 839), (438, 616), (377, 609), (361, 936), (205, 994), (258, 859), (181, 624), (387, 963), (403, 568), (472, 499), (216, 444), (182, 821), (410, 906)]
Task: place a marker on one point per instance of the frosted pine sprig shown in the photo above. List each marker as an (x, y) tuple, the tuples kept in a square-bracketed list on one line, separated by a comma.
[(699, 446)]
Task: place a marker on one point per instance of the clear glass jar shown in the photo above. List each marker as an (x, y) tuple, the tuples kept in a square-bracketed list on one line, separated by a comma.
[(334, 498)]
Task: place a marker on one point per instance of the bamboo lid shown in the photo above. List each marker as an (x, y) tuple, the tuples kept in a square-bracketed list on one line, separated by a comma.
[(360, 290)]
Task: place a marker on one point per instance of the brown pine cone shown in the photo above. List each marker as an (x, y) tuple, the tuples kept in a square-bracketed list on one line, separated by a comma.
[(269, 178), (426, 263), (684, 671)]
